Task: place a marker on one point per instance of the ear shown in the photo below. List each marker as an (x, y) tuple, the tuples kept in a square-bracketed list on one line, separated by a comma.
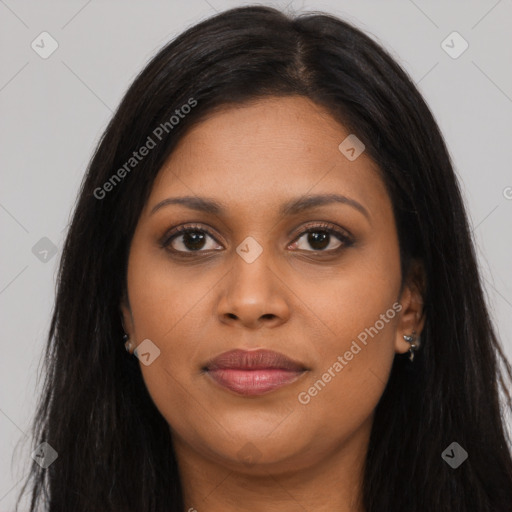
[(126, 316), (412, 316)]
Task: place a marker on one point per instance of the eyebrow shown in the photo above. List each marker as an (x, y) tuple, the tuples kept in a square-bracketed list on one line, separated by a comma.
[(292, 207)]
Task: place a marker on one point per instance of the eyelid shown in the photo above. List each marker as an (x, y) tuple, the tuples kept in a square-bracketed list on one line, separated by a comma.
[(331, 228), (345, 237), (169, 235)]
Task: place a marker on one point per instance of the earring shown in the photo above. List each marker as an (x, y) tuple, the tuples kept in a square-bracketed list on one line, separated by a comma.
[(127, 343), (415, 344)]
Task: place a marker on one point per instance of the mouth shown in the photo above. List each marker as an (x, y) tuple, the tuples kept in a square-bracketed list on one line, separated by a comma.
[(252, 373)]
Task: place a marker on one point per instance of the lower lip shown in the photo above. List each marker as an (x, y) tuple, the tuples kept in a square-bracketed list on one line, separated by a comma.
[(253, 382)]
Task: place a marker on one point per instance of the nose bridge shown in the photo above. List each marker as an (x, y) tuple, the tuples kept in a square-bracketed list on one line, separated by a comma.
[(253, 291), (252, 277)]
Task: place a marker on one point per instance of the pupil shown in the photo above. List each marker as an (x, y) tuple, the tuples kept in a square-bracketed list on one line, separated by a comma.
[(317, 239), (193, 240)]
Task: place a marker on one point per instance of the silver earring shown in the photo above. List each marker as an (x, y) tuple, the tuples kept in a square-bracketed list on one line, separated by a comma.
[(414, 344), (127, 343)]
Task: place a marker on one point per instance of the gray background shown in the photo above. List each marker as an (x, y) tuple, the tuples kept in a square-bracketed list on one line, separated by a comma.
[(54, 110)]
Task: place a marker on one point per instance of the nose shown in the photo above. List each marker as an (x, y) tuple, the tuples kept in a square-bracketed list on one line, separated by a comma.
[(253, 295)]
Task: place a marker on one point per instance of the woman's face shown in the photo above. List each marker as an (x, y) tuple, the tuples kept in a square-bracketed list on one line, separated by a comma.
[(250, 277)]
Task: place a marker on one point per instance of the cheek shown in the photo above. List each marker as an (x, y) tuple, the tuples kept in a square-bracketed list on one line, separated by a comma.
[(357, 313), (169, 306), (352, 371), (354, 302), (164, 295), (353, 365)]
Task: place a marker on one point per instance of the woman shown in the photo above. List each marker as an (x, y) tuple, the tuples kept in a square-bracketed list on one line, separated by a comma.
[(272, 228)]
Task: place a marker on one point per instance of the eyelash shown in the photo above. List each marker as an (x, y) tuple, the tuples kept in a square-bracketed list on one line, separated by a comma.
[(345, 239)]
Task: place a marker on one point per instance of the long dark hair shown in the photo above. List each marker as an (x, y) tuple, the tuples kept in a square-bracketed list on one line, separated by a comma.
[(114, 447)]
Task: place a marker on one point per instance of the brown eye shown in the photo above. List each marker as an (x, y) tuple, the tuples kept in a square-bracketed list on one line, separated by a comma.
[(190, 239), (323, 238), (320, 238)]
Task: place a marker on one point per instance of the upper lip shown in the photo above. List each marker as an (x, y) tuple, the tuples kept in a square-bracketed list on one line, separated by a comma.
[(253, 360)]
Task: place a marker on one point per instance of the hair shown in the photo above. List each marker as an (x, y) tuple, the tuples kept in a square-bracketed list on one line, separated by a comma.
[(114, 447)]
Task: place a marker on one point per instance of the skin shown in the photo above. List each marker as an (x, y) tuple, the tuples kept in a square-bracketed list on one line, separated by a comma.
[(294, 298)]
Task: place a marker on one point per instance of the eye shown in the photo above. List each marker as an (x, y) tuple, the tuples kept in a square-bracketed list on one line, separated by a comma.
[(194, 238), (186, 239), (320, 238)]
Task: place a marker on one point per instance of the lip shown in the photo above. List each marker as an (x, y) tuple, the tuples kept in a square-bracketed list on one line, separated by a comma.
[(255, 372)]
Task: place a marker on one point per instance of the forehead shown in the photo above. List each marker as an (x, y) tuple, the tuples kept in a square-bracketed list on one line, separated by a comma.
[(264, 152)]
